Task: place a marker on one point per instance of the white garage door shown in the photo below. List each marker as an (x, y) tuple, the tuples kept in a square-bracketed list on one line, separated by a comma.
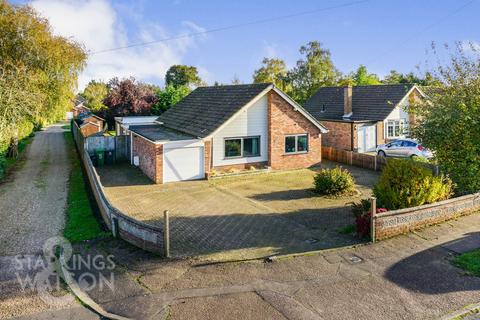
[(367, 138), (183, 163)]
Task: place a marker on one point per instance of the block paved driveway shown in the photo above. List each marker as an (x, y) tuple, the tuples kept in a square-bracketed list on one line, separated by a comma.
[(239, 217)]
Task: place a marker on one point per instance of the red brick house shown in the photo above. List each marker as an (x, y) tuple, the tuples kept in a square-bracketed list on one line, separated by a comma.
[(223, 127), (360, 118), (91, 124)]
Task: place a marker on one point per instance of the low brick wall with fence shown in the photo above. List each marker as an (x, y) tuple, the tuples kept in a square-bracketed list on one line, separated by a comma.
[(396, 222), (138, 233)]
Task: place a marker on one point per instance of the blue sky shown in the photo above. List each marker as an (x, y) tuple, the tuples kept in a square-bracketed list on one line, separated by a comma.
[(383, 35)]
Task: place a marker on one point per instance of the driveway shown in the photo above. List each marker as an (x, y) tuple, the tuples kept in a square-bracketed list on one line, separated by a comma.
[(239, 217)]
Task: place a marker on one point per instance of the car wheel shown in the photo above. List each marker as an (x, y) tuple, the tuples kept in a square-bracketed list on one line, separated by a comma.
[(413, 156), (381, 154)]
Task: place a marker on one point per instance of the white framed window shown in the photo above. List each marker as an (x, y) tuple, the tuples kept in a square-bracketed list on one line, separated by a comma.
[(396, 128), (297, 143), (242, 147)]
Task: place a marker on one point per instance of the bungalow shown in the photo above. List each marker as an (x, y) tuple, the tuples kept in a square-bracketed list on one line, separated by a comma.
[(223, 127), (360, 118)]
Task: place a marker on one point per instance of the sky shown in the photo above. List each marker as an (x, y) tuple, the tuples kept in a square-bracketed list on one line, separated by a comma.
[(381, 34)]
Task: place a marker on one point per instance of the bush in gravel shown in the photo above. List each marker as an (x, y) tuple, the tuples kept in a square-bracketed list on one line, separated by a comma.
[(334, 182), (406, 183)]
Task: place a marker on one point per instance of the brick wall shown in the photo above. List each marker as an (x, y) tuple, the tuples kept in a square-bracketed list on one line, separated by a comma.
[(397, 222), (89, 128), (241, 166), (339, 135), (208, 156), (150, 158), (284, 120)]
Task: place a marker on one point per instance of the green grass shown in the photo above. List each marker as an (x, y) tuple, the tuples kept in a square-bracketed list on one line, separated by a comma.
[(111, 133), (7, 163), (81, 223), (347, 229), (66, 127), (469, 261)]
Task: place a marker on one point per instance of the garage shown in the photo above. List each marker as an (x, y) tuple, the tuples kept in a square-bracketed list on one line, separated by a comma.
[(183, 161), (367, 137)]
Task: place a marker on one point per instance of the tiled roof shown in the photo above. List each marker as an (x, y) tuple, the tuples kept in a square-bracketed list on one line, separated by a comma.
[(205, 109), (368, 102)]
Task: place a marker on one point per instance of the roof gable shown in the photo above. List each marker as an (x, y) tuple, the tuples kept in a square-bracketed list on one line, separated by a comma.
[(368, 102), (205, 109)]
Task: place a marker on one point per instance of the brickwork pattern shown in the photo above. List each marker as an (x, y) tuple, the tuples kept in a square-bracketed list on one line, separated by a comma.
[(284, 120), (150, 158), (338, 136), (397, 222)]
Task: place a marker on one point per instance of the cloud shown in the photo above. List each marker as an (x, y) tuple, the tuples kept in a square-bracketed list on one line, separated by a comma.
[(97, 25)]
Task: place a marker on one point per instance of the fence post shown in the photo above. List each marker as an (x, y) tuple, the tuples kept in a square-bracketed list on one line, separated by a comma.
[(375, 165), (166, 234), (373, 208)]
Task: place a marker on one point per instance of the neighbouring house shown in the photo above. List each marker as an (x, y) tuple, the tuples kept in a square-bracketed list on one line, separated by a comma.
[(78, 108), (122, 123), (360, 118), (223, 127), (90, 124)]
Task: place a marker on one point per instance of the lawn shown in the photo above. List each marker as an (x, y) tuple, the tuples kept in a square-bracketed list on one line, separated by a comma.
[(81, 222), (469, 261)]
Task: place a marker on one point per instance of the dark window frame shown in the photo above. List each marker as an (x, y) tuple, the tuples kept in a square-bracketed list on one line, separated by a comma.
[(242, 155)]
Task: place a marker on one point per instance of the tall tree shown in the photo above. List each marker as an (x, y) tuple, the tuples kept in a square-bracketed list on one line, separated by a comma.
[(94, 93), (38, 72), (314, 70), (448, 122), (362, 77), (169, 97), (181, 75), (127, 97), (272, 70)]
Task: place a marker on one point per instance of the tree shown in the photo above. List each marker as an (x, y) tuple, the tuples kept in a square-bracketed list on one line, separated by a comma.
[(272, 70), (38, 72), (94, 93), (448, 123), (361, 77), (315, 70), (395, 77), (169, 97), (127, 97), (181, 75)]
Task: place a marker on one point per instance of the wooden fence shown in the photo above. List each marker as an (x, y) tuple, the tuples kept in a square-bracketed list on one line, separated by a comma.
[(364, 160)]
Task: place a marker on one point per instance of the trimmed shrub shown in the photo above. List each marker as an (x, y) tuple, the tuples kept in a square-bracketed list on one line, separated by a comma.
[(334, 182), (406, 183)]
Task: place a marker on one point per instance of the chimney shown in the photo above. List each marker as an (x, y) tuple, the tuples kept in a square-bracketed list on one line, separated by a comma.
[(347, 102)]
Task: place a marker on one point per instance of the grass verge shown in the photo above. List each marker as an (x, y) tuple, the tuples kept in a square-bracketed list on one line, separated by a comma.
[(469, 261), (6, 164), (81, 223)]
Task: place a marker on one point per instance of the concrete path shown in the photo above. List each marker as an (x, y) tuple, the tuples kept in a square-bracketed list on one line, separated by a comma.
[(408, 277), (32, 203)]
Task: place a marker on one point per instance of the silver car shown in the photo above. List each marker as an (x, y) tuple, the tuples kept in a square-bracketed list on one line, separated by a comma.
[(403, 148)]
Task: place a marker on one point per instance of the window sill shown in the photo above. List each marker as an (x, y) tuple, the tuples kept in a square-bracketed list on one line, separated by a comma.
[(241, 157), (294, 153)]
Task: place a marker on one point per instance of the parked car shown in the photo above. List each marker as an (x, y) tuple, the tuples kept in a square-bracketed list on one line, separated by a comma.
[(403, 148)]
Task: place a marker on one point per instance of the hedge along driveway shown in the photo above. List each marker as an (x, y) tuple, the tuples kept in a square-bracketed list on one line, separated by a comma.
[(239, 217)]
